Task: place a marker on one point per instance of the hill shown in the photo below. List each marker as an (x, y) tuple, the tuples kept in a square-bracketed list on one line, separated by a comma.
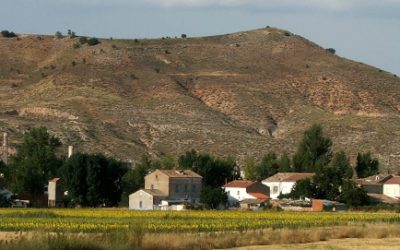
[(237, 94)]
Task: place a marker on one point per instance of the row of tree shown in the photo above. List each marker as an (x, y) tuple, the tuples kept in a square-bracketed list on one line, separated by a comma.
[(97, 180), (314, 152)]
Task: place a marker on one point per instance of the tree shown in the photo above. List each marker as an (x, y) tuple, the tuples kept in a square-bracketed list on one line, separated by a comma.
[(303, 189), (93, 41), (8, 34), (211, 198), (284, 163), (133, 180), (250, 169), (366, 165), (215, 171), (314, 150), (269, 166), (342, 163), (352, 195), (4, 170), (58, 34), (35, 163), (93, 180)]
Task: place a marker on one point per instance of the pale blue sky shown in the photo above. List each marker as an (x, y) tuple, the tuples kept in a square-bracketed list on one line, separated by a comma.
[(363, 30)]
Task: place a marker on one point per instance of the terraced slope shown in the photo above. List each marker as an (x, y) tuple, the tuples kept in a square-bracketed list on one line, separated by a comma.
[(239, 94)]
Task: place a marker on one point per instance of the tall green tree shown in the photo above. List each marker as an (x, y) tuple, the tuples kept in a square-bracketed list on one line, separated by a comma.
[(285, 163), (366, 165), (93, 180), (314, 150), (250, 169), (133, 180), (268, 166), (342, 163), (35, 163)]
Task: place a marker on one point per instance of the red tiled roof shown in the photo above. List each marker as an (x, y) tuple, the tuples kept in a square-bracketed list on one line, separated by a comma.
[(289, 177), (393, 180), (239, 184), (259, 195)]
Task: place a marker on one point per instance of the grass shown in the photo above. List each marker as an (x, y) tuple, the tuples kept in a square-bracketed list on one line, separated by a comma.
[(134, 239)]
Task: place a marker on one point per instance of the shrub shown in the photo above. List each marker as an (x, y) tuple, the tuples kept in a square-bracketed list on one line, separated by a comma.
[(83, 40), (73, 63), (93, 41), (331, 50), (8, 34), (183, 36), (287, 33), (58, 34), (76, 45), (134, 77)]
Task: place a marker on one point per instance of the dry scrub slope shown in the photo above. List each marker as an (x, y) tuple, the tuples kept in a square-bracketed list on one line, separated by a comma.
[(239, 94)]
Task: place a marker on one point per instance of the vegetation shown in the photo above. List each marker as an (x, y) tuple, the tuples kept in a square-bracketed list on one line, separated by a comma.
[(83, 40), (8, 34), (35, 163), (93, 180), (331, 50), (313, 152), (366, 165), (93, 41), (106, 220), (58, 34), (215, 172)]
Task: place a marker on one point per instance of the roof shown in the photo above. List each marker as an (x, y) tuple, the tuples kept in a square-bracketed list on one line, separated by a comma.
[(179, 173), (288, 177), (54, 179), (381, 198), (153, 192), (239, 184), (259, 195), (373, 180), (393, 180)]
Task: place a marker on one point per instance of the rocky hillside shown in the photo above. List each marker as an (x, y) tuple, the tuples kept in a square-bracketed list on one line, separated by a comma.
[(238, 94)]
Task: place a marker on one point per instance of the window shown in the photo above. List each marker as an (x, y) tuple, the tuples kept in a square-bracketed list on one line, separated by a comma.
[(151, 186), (194, 188), (176, 188), (275, 189), (140, 204), (238, 192), (186, 188)]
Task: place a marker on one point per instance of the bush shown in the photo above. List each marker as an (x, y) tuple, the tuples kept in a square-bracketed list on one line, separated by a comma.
[(331, 50), (8, 34), (83, 40), (183, 36), (58, 34), (76, 45), (93, 41)]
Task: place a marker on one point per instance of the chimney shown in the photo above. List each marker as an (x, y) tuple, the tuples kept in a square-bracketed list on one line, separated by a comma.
[(70, 151), (5, 147)]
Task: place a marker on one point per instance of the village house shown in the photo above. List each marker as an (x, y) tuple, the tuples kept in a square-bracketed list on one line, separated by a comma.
[(164, 188), (283, 183), (238, 191), (391, 187), (373, 185), (55, 193)]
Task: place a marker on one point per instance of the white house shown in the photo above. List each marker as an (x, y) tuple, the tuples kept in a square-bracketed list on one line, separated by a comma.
[(391, 187), (242, 190), (283, 183)]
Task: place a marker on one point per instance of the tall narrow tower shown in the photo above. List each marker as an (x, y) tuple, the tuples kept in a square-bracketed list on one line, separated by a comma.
[(70, 151), (5, 147)]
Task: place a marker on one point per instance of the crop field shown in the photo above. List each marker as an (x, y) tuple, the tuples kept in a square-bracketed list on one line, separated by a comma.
[(107, 220)]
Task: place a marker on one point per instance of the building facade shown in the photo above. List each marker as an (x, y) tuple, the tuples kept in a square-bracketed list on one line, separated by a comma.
[(283, 183), (171, 186), (238, 191)]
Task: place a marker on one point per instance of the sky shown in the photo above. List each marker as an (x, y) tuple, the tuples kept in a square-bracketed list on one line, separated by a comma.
[(363, 30)]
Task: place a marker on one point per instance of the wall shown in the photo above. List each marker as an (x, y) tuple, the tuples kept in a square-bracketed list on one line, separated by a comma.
[(185, 188), (141, 197), (259, 188), (392, 190), (236, 194), (276, 188), (157, 180)]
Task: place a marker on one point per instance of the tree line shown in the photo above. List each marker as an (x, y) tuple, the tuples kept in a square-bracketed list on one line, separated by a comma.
[(97, 180)]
